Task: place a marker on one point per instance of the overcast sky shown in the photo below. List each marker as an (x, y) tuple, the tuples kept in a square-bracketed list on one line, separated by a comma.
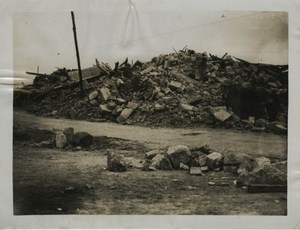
[(46, 39)]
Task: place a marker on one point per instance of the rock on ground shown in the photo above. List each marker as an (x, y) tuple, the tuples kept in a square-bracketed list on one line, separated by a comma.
[(179, 154), (116, 163), (214, 160), (160, 161), (69, 133), (60, 140), (83, 139)]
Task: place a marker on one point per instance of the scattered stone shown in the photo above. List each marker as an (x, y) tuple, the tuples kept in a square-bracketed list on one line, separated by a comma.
[(268, 174), (160, 161), (116, 163), (104, 94), (124, 114), (179, 154), (147, 70), (111, 105), (204, 169), (83, 139), (151, 154), (60, 140), (214, 160), (202, 157), (93, 95), (260, 163), (186, 107), (211, 183), (175, 85), (183, 166), (158, 107), (120, 100), (69, 133), (132, 105), (195, 100), (196, 171), (220, 113), (104, 109), (236, 159)]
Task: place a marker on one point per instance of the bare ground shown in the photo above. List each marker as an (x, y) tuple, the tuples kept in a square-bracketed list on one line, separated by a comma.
[(53, 181)]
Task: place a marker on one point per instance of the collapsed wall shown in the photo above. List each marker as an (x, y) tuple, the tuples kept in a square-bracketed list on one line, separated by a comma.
[(179, 89)]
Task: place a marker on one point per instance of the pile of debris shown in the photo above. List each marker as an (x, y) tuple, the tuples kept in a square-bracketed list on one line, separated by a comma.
[(198, 161), (180, 89)]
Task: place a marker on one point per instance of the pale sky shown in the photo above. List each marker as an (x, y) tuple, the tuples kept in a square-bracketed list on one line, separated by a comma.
[(46, 39)]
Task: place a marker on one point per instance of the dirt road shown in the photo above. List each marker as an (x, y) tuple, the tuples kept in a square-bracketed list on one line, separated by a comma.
[(64, 181), (256, 144)]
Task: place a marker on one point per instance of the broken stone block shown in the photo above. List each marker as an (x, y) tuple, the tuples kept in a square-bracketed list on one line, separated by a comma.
[(60, 140), (119, 82), (104, 109), (220, 113), (204, 169), (147, 70), (124, 114), (69, 133), (111, 105), (196, 171), (104, 94), (179, 154), (202, 159), (132, 105), (116, 163), (93, 95), (186, 107), (251, 120), (160, 161), (175, 85), (83, 139), (158, 107), (169, 100), (120, 100), (268, 174), (152, 154), (214, 160), (231, 158), (260, 163), (183, 166)]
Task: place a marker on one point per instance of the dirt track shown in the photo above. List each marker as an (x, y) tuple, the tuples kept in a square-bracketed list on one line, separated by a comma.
[(53, 181), (265, 144)]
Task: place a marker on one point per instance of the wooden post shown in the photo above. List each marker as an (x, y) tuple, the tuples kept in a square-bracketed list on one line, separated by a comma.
[(77, 53)]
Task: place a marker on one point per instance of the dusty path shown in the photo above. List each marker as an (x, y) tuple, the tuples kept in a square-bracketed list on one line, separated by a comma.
[(265, 144)]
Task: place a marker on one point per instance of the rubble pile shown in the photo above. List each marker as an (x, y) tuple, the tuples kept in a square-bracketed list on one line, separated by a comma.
[(198, 161), (180, 89)]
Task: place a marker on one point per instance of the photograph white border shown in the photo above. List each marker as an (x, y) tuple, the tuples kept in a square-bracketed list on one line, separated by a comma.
[(7, 220)]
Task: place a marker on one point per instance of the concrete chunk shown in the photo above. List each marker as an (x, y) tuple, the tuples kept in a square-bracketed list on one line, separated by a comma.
[(179, 154), (104, 94), (214, 160), (93, 95)]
